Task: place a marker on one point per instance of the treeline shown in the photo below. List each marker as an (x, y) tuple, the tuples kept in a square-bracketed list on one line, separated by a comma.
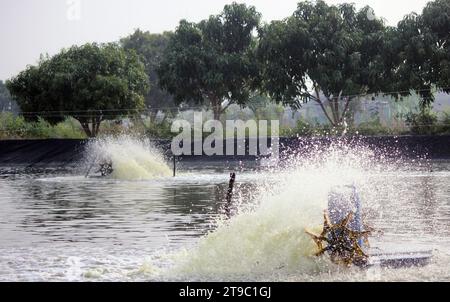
[(326, 54)]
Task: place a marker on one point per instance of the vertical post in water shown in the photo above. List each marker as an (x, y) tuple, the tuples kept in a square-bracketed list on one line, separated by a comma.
[(174, 165), (230, 194)]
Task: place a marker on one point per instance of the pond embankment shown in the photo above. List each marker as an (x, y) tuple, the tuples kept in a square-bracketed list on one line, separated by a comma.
[(70, 151)]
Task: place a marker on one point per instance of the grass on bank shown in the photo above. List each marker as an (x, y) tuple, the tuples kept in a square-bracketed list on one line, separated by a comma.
[(16, 127)]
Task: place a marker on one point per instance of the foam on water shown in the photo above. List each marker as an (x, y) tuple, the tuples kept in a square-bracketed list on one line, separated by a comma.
[(268, 234), (132, 158)]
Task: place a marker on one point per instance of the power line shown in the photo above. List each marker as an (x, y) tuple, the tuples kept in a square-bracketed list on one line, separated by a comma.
[(183, 108)]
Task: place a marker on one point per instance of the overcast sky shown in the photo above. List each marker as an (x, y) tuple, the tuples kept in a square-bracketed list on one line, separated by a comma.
[(31, 27)]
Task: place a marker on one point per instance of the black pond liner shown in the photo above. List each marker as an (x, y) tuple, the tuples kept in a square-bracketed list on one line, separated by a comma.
[(51, 152)]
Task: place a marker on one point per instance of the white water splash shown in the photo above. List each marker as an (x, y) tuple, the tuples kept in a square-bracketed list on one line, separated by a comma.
[(268, 236), (132, 159)]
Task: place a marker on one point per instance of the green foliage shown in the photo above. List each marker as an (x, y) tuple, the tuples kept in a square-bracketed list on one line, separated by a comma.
[(424, 122), (302, 129), (90, 83), (212, 61), (159, 129), (12, 126), (150, 48), (372, 128), (427, 122), (139, 125), (422, 47), (436, 23), (70, 128), (336, 48), (414, 55), (445, 122)]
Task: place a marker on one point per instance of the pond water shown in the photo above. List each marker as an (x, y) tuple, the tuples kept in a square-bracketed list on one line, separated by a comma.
[(55, 224)]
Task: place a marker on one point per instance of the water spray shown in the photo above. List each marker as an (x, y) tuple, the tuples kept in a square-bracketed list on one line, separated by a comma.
[(345, 237), (127, 158), (91, 166)]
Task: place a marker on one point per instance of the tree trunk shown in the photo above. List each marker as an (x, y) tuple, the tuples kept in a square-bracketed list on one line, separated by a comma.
[(346, 107), (90, 127), (95, 126), (216, 105), (86, 128), (319, 101), (337, 118), (334, 114)]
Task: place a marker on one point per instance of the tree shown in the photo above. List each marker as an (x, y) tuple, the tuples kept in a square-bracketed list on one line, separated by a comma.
[(6, 102), (91, 83), (326, 54), (212, 61), (436, 20), (150, 48), (423, 52)]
